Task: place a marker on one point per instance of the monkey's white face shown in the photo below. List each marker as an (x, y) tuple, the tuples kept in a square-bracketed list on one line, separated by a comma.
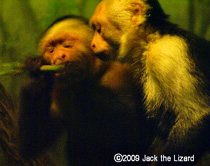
[(113, 22), (106, 39), (61, 48)]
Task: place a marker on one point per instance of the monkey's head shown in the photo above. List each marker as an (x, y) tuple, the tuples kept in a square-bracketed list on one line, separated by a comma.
[(67, 39), (114, 20)]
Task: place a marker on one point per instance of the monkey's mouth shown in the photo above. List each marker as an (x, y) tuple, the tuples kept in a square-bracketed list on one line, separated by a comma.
[(56, 69), (58, 62)]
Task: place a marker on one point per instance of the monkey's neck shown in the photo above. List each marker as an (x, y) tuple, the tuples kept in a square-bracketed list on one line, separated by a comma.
[(100, 67)]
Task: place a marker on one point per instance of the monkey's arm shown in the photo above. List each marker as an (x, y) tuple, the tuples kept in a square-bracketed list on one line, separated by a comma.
[(173, 83), (37, 128), (184, 137)]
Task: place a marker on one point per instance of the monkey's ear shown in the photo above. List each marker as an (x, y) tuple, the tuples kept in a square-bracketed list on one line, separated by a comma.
[(138, 11)]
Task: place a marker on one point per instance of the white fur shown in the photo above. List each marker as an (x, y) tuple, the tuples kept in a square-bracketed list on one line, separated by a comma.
[(168, 77)]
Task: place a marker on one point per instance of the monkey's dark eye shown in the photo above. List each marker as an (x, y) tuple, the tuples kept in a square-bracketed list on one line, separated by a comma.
[(68, 46), (94, 27), (98, 29), (50, 50)]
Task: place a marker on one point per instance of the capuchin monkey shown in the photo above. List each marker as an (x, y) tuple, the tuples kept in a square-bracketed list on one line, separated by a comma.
[(170, 65), (92, 99)]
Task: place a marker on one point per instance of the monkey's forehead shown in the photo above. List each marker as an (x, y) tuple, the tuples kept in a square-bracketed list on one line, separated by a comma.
[(71, 26), (106, 7), (100, 13), (60, 37)]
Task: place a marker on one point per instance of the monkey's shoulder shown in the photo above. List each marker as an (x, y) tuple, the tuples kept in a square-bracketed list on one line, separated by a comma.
[(166, 50), (166, 44)]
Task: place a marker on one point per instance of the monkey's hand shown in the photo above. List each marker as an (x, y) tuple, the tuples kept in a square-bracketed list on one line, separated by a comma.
[(75, 72), (32, 65)]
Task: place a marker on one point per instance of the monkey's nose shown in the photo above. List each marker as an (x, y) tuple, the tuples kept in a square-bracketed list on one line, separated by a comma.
[(60, 59), (63, 56), (93, 46)]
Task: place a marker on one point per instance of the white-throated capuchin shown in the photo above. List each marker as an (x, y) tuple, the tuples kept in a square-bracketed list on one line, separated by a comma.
[(170, 65), (93, 99)]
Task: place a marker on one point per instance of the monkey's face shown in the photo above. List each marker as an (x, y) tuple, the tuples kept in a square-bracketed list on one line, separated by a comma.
[(106, 39), (113, 22), (61, 48)]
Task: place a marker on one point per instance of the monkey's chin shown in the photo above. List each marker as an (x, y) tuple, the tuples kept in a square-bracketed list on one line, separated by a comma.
[(105, 56), (57, 74)]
